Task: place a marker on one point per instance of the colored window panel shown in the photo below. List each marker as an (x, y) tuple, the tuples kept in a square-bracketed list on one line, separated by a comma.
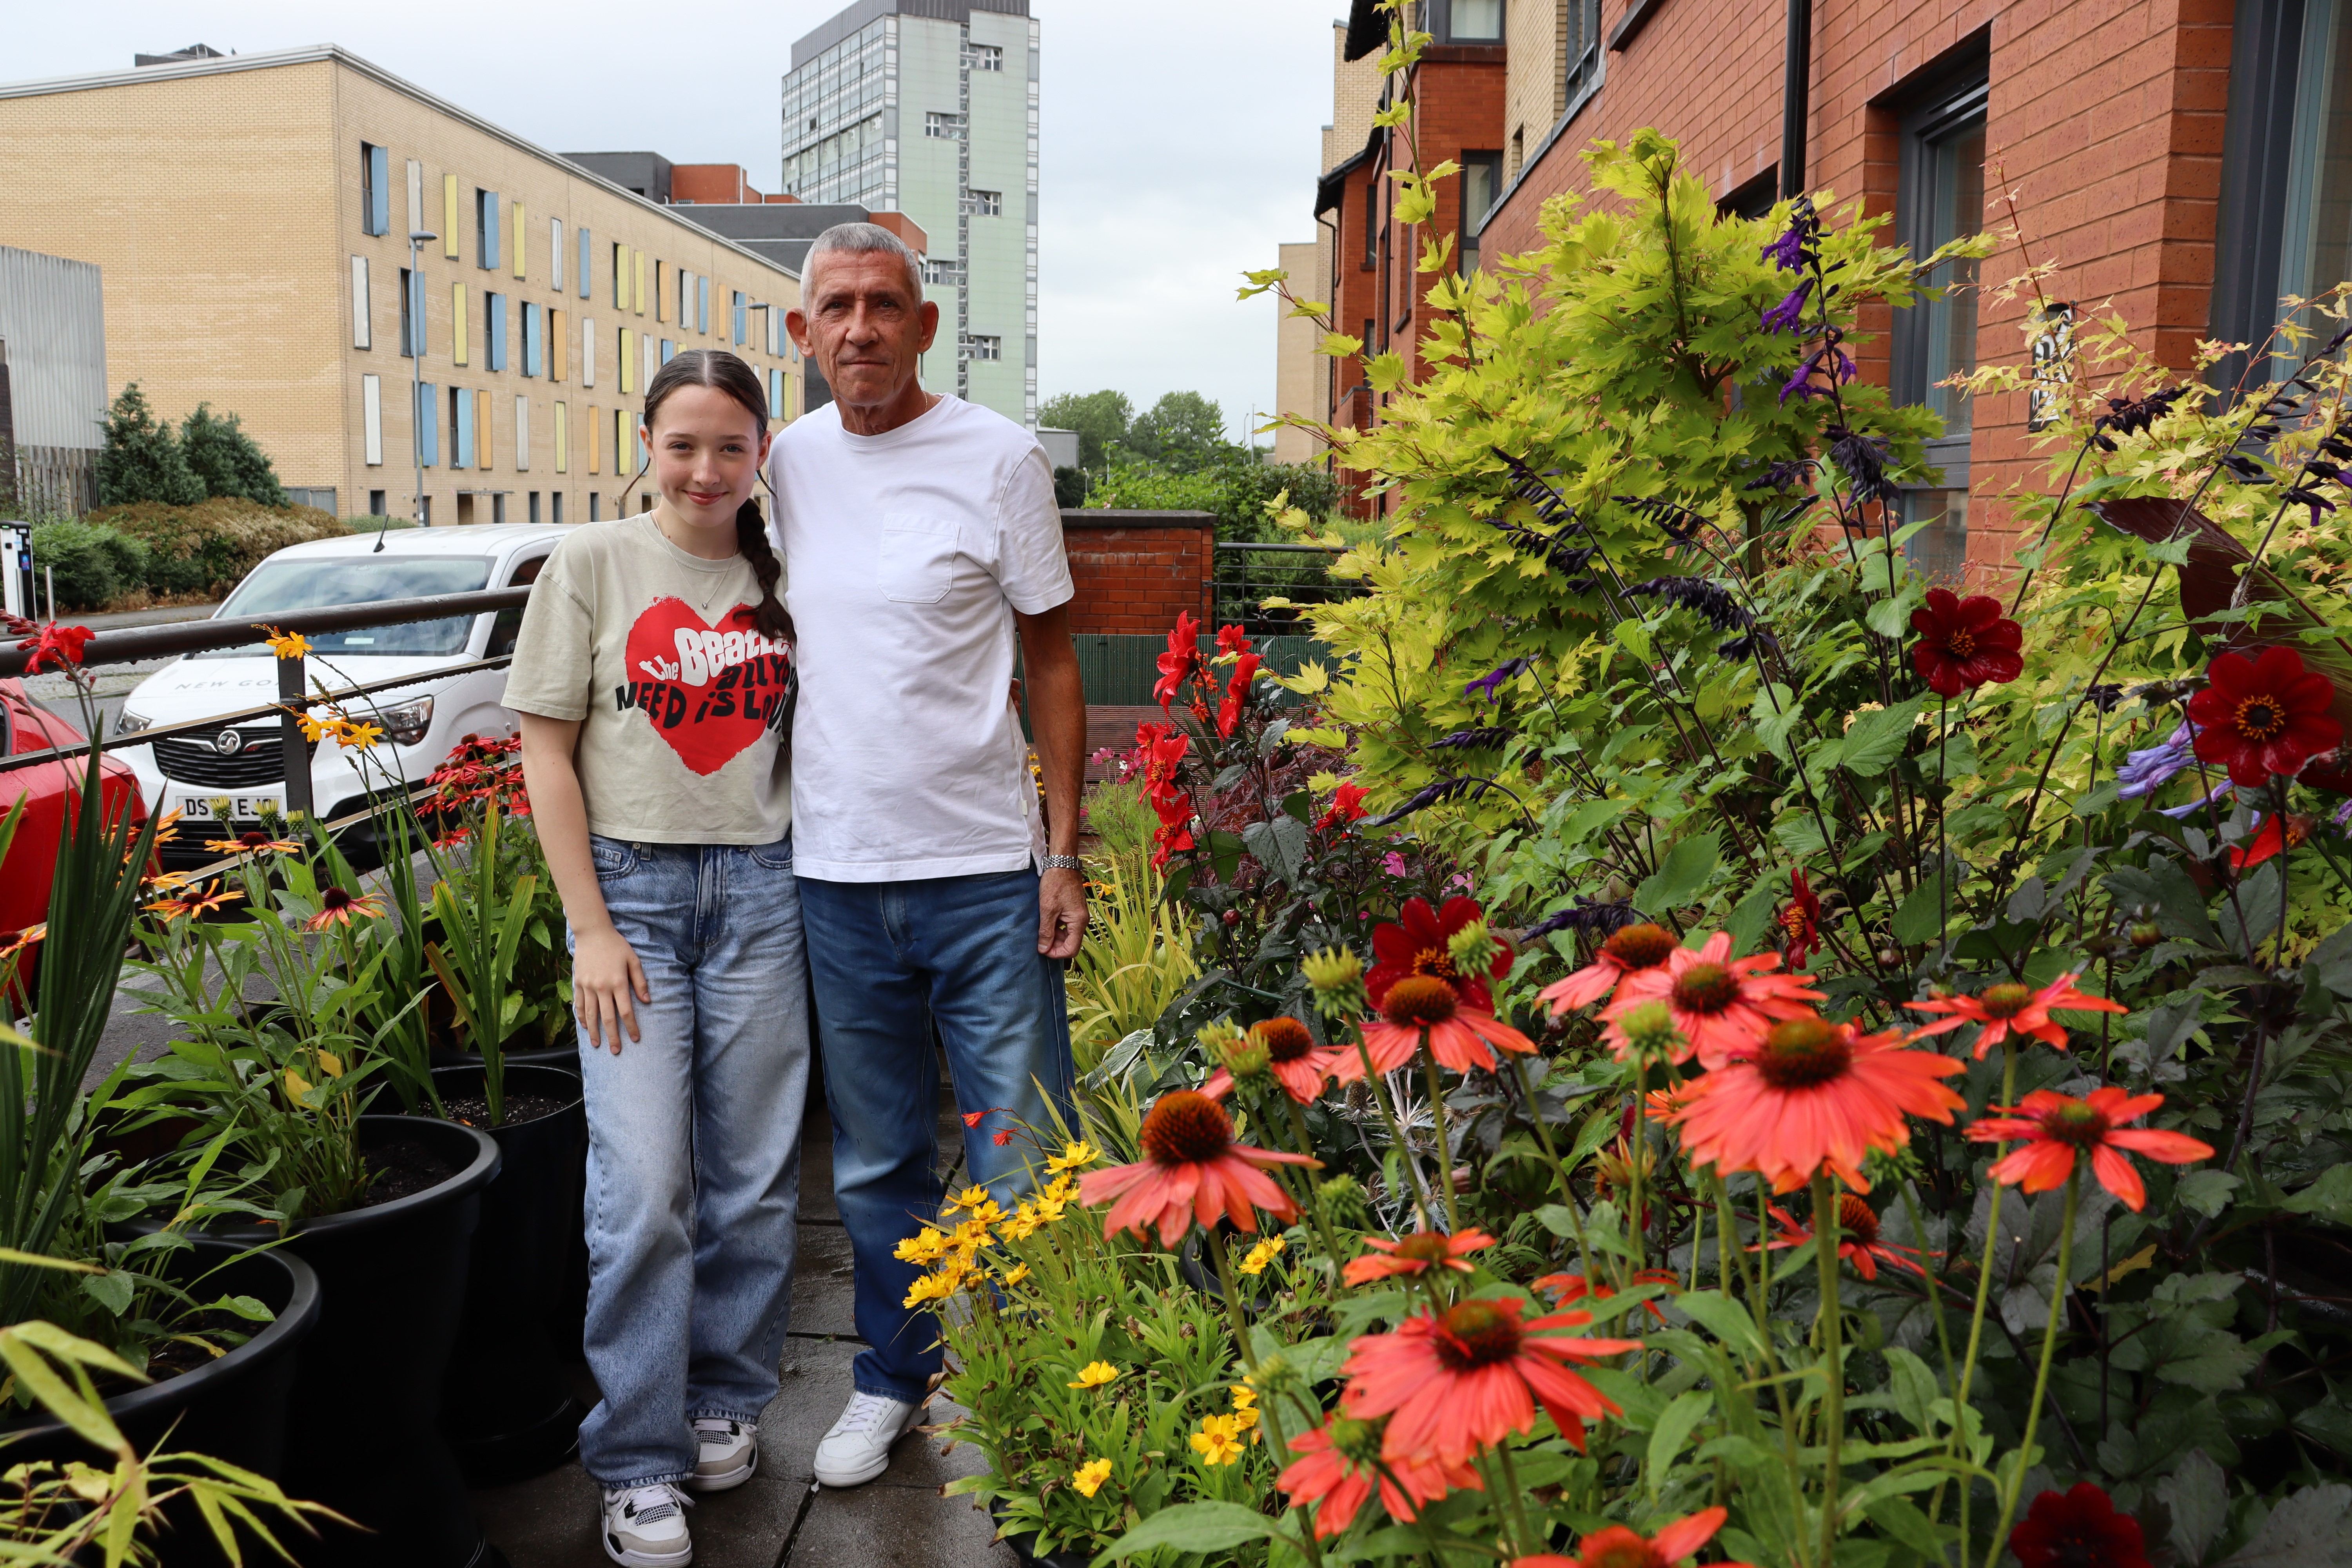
[(620, 276), (449, 246), (362, 335), (669, 350), (702, 304), (587, 258), (458, 345), (494, 331), (621, 442), (562, 438), (638, 302), (375, 189), (595, 441), (425, 424), (372, 418), (482, 429), (555, 254), (461, 427), (628, 361), (416, 193), (486, 230), (587, 352), (661, 292), (412, 314), (741, 323)]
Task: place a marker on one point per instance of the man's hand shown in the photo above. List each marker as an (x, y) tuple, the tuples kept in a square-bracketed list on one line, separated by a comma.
[(1061, 913)]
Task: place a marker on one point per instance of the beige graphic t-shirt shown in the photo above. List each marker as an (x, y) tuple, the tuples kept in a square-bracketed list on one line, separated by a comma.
[(685, 703)]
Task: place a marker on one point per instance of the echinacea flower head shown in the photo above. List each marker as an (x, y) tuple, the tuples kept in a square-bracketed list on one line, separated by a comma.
[(1094, 1374), (1455, 1382), (1088, 1477), (1719, 1004), (1420, 1253), (1858, 1241), (2059, 1129), (1629, 950), (1192, 1169), (1965, 643), (1425, 1005), (1338, 1464), (1813, 1095), (2264, 715), (2011, 1008), (1296, 1062), (1618, 1547), (340, 907), (2079, 1528), (252, 843), (1566, 1289)]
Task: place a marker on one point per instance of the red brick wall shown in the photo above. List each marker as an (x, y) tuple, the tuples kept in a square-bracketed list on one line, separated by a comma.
[(1134, 571), (2105, 120)]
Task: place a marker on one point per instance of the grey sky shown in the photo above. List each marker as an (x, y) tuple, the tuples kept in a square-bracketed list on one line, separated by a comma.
[(1177, 142)]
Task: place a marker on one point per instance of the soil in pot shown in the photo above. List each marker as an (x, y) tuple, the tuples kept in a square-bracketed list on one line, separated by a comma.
[(507, 1402)]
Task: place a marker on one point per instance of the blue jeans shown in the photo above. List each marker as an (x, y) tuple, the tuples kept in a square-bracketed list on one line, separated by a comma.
[(890, 958), (693, 1151)]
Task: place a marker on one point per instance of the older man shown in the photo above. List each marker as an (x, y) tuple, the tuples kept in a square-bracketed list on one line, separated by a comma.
[(920, 537)]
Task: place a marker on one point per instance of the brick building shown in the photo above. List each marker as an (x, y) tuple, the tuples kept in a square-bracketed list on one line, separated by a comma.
[(2184, 161)]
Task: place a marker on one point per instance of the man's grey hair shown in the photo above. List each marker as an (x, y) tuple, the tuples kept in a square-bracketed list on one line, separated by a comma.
[(863, 239)]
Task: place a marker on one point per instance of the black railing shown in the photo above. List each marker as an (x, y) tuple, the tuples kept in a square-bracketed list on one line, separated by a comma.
[(1249, 574), (129, 647)]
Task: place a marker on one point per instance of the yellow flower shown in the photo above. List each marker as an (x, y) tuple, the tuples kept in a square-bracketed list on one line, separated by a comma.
[(1219, 1440), (1095, 1373), (986, 1213), (936, 1287), (359, 737), (314, 730), (1091, 1475), (1264, 1253), (1074, 1157), (1243, 1395), (1062, 1188), (1022, 1225), (1018, 1275), (924, 1247), (971, 1236), (970, 1198), (287, 644)]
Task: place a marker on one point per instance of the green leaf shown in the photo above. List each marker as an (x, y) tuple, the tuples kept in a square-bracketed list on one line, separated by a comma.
[(1673, 1429), (112, 1291), (1726, 1319), (2207, 1191), (1913, 1387), (2330, 1197), (1206, 1526), (1901, 1519), (1877, 738), (1679, 880), (1921, 918)]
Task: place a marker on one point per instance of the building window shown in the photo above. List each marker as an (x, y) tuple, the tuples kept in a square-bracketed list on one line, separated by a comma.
[(376, 503), (1938, 551), (1940, 197), (987, 58), (621, 442), (942, 271), (555, 502), (685, 299), (661, 292), (425, 424), (620, 276), (1371, 226), (494, 329), (458, 345), (740, 318), (1474, 22), (1481, 182), (522, 446), (595, 507), (984, 203), (986, 348), (486, 229), (1582, 52), (450, 246), (416, 193), (534, 339), (595, 449), (555, 254), (558, 344), (669, 350), (372, 419), (628, 363), (943, 127), (362, 335), (412, 315), (587, 255), (461, 427), (638, 302), (375, 189)]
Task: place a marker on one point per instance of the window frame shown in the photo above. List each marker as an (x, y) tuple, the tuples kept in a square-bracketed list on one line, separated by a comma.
[(1945, 106), (375, 189), (2266, 48), (1467, 223), (1441, 23)]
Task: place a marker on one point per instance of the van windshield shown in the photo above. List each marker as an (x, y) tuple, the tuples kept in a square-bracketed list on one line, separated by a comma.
[(322, 582)]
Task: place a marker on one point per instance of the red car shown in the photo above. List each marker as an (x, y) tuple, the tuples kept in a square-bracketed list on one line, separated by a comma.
[(45, 787)]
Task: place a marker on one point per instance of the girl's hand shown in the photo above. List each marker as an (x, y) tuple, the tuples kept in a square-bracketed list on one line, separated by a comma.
[(607, 983)]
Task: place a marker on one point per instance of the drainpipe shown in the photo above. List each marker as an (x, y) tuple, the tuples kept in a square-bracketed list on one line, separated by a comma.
[(1796, 88)]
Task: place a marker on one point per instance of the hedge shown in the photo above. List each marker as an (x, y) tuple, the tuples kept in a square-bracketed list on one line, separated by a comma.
[(149, 549)]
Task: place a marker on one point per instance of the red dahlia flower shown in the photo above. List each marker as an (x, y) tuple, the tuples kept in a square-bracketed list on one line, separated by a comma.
[(1858, 1241), (2077, 1529), (1627, 951), (1720, 1003), (1232, 641), (2058, 1128), (1618, 1547), (1800, 918), (1964, 643), (1417, 944), (1237, 690), (1192, 1169), (1453, 1384), (1420, 1253), (1181, 662), (2010, 1007), (1338, 1463), (2264, 715), (1347, 807)]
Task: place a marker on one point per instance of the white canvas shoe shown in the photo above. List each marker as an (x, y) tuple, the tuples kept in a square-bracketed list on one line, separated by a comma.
[(726, 1451), (858, 1449), (644, 1526)]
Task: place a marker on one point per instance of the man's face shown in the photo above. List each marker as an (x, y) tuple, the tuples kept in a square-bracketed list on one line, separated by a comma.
[(861, 323)]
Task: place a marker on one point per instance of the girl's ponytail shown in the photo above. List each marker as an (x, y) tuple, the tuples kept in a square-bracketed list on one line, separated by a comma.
[(730, 375), (752, 538)]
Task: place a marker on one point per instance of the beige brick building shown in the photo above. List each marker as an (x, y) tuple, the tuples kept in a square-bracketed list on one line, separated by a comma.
[(250, 217)]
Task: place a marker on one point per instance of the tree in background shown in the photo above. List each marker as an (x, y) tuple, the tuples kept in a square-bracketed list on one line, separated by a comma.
[(1184, 431), (142, 459), (225, 461), (1100, 418)]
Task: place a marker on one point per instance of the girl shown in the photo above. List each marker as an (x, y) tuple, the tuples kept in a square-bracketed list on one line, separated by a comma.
[(654, 677)]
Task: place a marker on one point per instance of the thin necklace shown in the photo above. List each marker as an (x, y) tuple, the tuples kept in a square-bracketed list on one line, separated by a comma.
[(718, 586)]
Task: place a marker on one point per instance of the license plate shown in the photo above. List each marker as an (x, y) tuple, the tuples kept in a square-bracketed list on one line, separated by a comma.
[(242, 807)]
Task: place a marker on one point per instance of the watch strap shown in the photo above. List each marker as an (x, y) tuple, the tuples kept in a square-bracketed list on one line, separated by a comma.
[(1060, 863)]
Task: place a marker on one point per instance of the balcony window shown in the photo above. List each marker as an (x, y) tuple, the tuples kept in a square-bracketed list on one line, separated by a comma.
[(1475, 22)]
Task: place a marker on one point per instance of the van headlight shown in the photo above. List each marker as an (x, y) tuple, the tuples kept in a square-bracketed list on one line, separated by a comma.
[(128, 722), (405, 722)]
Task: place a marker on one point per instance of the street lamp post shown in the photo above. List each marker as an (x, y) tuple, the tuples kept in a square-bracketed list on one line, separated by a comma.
[(413, 309)]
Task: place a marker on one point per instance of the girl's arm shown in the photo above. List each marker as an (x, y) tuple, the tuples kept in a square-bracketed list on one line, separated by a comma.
[(605, 974)]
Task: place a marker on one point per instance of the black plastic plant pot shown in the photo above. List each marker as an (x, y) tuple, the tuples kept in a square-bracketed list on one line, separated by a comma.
[(1025, 1545), (505, 1403), (367, 1400)]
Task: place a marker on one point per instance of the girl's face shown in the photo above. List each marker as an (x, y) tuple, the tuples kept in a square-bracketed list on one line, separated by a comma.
[(706, 452)]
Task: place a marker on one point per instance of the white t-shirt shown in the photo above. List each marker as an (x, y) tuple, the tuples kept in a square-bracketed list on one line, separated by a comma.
[(905, 555)]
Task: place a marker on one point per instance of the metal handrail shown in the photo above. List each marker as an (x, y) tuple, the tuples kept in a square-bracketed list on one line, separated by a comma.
[(1290, 549)]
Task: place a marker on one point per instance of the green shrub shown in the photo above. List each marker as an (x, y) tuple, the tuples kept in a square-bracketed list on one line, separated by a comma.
[(227, 460), (209, 547), (87, 567), (143, 460)]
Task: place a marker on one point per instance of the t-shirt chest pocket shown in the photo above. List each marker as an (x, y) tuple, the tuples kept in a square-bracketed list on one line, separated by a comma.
[(918, 559)]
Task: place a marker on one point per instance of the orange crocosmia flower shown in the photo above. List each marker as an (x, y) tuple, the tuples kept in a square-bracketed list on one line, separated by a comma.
[(1455, 1383), (1720, 1003), (2003, 1008), (1458, 1033), (1570, 1288), (1858, 1241), (1294, 1058), (1338, 1463), (2058, 1128), (1192, 1169), (1812, 1094), (1419, 1253), (1628, 951), (1618, 1547)]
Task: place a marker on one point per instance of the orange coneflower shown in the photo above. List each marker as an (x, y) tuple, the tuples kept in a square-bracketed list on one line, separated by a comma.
[(1618, 1547), (338, 907), (1338, 1463), (1192, 1169), (2001, 1008), (1422, 1252), (1455, 1383), (1574, 1288), (1628, 951), (1718, 1001), (2058, 1128), (1425, 1004), (199, 902), (1812, 1094), (1858, 1241), (1291, 1056)]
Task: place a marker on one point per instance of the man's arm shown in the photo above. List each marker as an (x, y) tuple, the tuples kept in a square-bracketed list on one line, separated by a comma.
[(1057, 719)]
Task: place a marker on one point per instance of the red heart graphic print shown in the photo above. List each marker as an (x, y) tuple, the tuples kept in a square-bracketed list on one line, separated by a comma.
[(709, 691)]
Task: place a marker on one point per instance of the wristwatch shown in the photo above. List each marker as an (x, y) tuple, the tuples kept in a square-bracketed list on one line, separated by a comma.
[(1060, 863)]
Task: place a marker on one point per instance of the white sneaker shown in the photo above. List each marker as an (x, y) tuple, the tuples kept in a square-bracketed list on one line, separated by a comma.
[(729, 1452), (858, 1449), (644, 1526)]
